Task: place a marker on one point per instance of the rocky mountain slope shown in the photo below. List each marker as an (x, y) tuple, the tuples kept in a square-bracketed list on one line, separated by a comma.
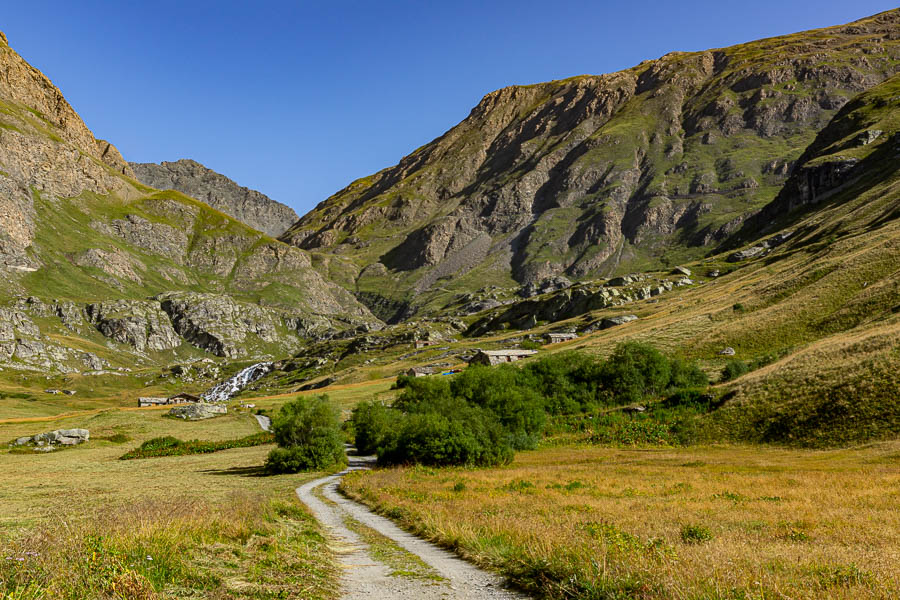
[(99, 269), (597, 175), (197, 181), (811, 309)]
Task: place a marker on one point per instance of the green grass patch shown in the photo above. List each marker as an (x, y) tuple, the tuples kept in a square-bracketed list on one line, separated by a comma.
[(172, 446)]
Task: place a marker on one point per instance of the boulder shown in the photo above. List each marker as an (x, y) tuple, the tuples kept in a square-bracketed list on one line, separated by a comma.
[(682, 271), (729, 351), (620, 281), (197, 412), (616, 321), (751, 252), (59, 437)]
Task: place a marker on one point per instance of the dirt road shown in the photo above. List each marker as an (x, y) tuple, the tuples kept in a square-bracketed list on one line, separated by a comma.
[(441, 575)]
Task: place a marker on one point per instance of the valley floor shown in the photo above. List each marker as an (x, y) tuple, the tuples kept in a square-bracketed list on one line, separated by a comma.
[(82, 524), (711, 522)]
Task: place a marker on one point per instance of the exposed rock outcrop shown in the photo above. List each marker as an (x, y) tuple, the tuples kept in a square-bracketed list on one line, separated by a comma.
[(592, 174), (218, 324), (248, 206), (198, 411), (140, 324)]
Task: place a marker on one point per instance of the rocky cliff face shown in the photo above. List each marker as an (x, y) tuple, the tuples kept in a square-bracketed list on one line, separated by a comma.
[(190, 177), (91, 258), (596, 175), (862, 141), (44, 148)]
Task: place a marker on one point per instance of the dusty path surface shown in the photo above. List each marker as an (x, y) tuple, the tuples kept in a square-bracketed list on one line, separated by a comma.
[(366, 577)]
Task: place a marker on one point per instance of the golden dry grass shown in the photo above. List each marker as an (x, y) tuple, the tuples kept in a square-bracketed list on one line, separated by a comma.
[(215, 527), (584, 522)]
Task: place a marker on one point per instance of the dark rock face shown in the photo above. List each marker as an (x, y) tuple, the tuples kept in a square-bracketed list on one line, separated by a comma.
[(586, 175), (190, 177)]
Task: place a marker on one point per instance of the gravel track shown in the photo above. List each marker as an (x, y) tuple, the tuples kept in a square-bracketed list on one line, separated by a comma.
[(365, 577)]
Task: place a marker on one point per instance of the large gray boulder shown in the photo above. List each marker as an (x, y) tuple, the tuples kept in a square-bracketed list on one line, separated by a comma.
[(609, 322), (197, 412), (52, 439)]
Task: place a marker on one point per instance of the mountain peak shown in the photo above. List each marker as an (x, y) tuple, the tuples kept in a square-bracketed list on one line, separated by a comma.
[(194, 179)]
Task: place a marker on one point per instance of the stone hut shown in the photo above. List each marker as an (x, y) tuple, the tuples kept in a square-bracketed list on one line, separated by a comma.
[(496, 357), (555, 338), (421, 371)]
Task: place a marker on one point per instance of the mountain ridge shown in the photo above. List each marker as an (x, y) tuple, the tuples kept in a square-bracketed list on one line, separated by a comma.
[(218, 191), (598, 175)]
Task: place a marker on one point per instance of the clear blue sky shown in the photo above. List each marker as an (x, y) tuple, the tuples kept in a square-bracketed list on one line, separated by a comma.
[(297, 99)]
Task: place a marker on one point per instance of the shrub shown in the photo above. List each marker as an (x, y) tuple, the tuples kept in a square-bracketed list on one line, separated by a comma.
[(733, 369), (308, 432), (618, 429), (417, 390), (518, 408), (170, 446), (695, 534), (530, 345), (568, 381), (402, 381), (634, 371), (446, 432), (371, 422), (686, 375)]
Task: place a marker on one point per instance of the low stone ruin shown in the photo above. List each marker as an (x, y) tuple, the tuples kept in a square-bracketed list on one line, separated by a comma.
[(50, 441), (197, 412)]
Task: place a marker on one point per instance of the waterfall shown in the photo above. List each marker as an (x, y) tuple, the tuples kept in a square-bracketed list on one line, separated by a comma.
[(231, 386)]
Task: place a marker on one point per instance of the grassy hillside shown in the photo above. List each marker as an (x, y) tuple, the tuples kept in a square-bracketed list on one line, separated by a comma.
[(598, 175)]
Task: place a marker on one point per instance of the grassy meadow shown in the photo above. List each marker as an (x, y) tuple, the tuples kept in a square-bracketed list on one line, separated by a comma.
[(718, 522), (80, 523)]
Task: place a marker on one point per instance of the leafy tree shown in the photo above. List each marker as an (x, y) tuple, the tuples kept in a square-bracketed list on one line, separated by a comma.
[(686, 375), (568, 381), (635, 371), (371, 422), (308, 433), (519, 408)]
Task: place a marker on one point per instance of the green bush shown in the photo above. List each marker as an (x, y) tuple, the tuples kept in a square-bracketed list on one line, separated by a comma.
[(170, 446), (446, 432), (635, 371), (370, 422), (733, 369), (686, 375), (569, 382), (519, 408), (308, 432), (622, 430)]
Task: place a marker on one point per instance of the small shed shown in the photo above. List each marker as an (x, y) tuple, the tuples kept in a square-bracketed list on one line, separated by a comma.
[(176, 399), (147, 401), (555, 338), (184, 399), (496, 357), (420, 371), (425, 343)]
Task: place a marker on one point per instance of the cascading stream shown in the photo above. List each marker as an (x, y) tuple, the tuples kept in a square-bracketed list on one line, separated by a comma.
[(222, 392)]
